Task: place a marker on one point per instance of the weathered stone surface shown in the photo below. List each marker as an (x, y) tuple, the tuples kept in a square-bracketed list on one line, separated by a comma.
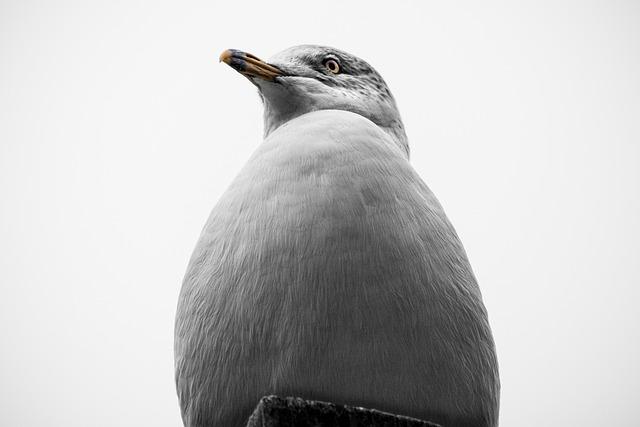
[(274, 411)]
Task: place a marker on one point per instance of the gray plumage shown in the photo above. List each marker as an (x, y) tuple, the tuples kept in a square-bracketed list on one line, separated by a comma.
[(328, 270)]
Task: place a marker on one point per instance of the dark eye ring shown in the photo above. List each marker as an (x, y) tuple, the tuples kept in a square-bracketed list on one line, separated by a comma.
[(332, 65)]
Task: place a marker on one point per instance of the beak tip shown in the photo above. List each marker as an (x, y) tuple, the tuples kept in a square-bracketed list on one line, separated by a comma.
[(226, 56), (249, 65)]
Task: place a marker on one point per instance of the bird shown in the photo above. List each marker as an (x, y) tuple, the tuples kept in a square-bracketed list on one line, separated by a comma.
[(328, 270)]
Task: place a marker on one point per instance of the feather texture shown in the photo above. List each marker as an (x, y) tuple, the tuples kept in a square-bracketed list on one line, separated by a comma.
[(329, 271)]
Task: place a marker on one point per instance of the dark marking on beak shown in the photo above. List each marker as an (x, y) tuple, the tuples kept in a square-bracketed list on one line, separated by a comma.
[(250, 65)]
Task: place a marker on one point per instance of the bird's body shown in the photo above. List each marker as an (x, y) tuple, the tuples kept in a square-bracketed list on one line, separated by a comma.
[(329, 271)]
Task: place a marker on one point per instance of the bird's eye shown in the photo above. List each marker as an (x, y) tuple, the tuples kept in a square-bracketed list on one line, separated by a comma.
[(332, 65)]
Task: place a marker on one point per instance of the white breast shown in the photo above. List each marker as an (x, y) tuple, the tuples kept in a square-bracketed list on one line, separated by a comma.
[(329, 271)]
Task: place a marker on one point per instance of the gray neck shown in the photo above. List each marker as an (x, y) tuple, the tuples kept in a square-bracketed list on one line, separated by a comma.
[(274, 118), (397, 133)]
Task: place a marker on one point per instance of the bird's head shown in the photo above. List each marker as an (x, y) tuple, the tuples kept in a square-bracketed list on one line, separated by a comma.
[(308, 78)]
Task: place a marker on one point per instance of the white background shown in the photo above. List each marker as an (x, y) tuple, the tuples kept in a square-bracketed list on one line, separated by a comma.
[(119, 130)]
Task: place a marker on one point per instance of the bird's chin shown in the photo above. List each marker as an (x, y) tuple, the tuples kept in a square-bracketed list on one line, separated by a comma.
[(287, 80), (282, 91), (261, 83)]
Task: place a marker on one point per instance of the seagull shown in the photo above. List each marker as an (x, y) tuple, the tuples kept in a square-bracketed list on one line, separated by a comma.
[(328, 270)]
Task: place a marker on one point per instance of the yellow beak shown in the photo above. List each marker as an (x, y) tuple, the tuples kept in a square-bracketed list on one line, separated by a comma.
[(249, 65)]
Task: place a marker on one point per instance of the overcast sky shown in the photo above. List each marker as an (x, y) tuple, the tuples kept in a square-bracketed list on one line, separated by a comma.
[(119, 130)]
